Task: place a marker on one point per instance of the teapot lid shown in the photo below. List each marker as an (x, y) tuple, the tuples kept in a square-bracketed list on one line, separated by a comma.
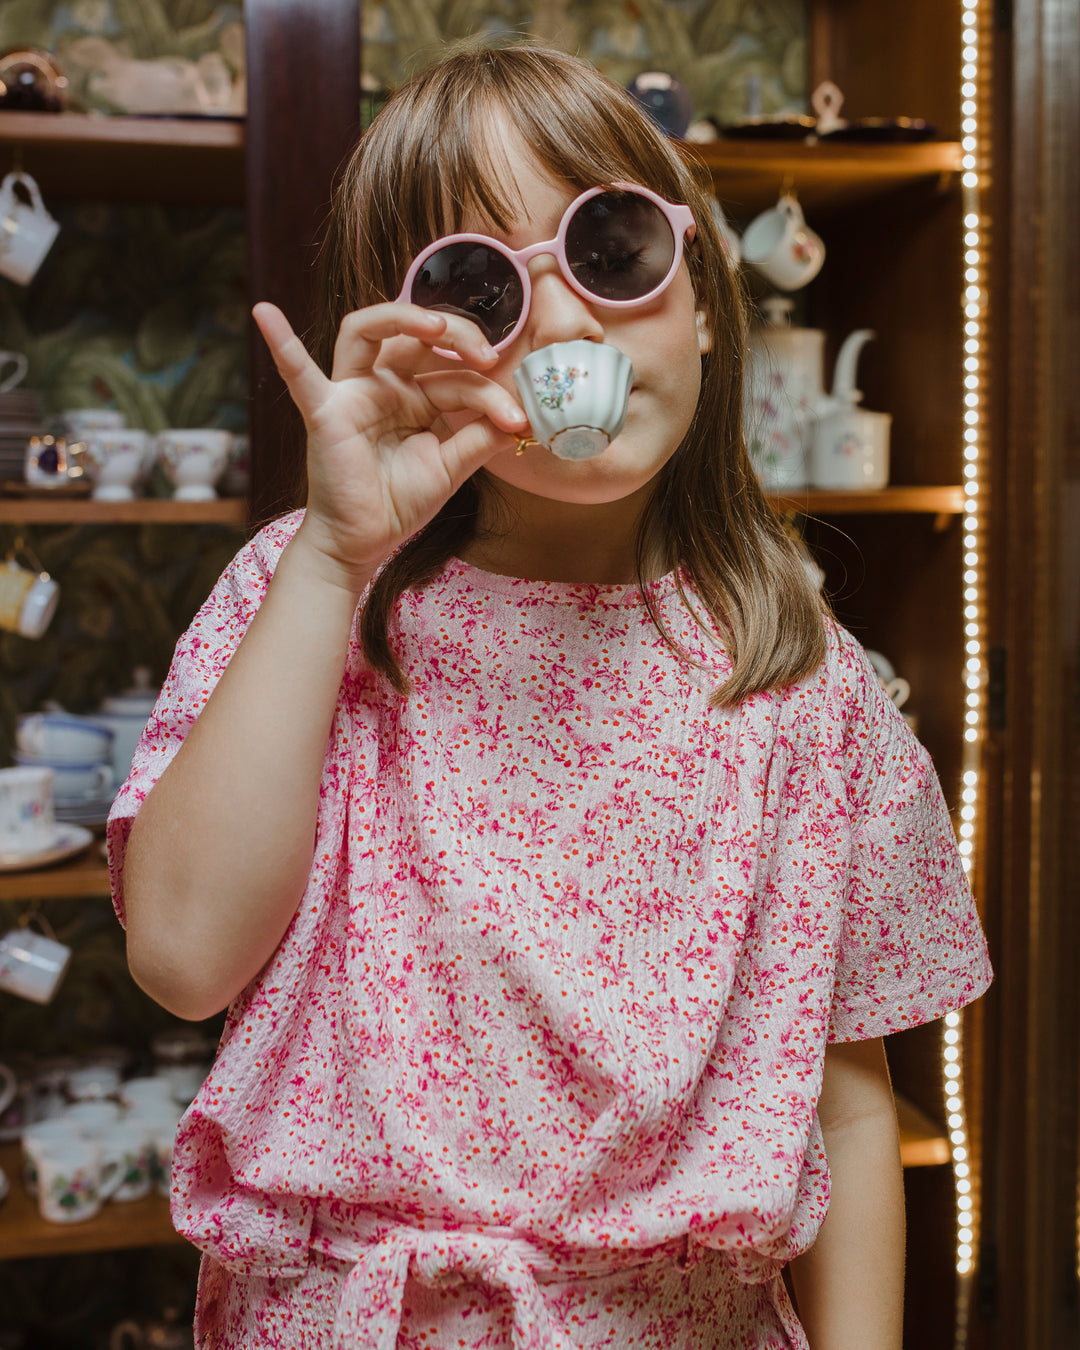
[(138, 701)]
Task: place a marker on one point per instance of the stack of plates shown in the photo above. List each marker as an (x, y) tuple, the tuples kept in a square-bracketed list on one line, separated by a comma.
[(20, 418)]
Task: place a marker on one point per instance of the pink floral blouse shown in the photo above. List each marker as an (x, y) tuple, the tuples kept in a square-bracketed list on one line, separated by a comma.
[(537, 1060)]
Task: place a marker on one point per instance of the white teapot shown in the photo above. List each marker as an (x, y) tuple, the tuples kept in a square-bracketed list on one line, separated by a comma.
[(785, 395)]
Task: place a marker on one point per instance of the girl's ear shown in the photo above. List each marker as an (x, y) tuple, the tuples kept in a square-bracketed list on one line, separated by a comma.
[(704, 337)]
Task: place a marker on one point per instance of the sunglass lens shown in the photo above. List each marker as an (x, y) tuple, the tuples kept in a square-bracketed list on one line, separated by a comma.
[(619, 245), (474, 280)]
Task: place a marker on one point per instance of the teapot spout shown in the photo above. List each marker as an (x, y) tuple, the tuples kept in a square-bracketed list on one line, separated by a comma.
[(844, 390)]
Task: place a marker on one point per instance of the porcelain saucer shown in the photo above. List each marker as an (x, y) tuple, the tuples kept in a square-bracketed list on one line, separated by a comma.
[(68, 840)]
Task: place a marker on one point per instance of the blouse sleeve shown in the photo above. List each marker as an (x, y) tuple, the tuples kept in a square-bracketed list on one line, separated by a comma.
[(911, 947), (200, 657)]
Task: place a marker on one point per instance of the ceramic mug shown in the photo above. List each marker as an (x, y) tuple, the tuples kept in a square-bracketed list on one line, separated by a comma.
[(128, 1144), (74, 1180), (32, 965), (193, 460), (850, 449), (36, 1137), (27, 230), (27, 818), (72, 781), (28, 599), (782, 247), (22, 365)]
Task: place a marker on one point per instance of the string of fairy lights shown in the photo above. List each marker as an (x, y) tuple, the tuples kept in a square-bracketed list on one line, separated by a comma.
[(972, 81)]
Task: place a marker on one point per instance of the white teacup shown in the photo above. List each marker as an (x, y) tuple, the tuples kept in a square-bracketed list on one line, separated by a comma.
[(27, 230), (74, 1180), (63, 736), (28, 599), (27, 818), (575, 396), (115, 461), (782, 247), (193, 460), (31, 964)]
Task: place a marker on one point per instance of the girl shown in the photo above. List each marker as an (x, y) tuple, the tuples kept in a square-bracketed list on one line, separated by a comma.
[(561, 863)]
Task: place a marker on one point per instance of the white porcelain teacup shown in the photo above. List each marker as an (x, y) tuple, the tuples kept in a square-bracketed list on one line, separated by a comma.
[(782, 247), (193, 460), (27, 816), (27, 230), (116, 461), (575, 396)]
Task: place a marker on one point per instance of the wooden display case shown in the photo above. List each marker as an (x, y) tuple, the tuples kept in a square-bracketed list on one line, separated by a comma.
[(891, 219)]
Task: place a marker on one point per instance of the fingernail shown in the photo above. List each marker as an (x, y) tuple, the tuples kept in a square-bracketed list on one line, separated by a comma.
[(488, 353)]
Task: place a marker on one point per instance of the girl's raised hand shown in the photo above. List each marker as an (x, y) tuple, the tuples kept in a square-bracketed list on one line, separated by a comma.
[(380, 460)]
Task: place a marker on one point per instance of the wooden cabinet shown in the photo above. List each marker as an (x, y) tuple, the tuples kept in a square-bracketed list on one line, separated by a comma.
[(891, 217)]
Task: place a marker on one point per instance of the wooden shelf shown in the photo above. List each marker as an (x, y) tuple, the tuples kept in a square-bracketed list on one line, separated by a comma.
[(749, 174), (141, 511), (146, 1223), (23, 1232), (129, 159), (938, 501), (84, 876)]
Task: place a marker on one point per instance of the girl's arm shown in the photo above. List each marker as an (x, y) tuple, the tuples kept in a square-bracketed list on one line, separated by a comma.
[(849, 1286), (220, 852)]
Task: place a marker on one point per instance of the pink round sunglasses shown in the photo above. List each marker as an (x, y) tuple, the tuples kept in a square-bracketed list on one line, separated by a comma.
[(617, 246)]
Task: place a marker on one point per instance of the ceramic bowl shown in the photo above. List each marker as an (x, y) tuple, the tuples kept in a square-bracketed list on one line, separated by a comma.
[(575, 395)]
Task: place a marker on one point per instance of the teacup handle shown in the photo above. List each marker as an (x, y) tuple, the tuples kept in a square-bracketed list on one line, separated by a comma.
[(22, 365), (29, 185), (126, 1334), (898, 690), (112, 1174), (789, 204)]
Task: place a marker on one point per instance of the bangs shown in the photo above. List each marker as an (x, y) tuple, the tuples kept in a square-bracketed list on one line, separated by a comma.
[(433, 155)]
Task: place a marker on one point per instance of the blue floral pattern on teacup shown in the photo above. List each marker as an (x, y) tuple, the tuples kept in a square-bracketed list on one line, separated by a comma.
[(556, 385)]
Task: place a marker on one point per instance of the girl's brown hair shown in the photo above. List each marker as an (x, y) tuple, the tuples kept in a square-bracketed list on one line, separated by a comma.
[(421, 166)]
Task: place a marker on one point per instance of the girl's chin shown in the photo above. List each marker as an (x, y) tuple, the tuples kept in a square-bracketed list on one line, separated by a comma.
[(606, 477)]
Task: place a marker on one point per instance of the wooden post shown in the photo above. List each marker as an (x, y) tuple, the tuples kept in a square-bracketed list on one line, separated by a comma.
[(303, 63)]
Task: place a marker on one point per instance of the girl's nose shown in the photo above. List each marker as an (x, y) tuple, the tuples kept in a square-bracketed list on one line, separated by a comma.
[(556, 312)]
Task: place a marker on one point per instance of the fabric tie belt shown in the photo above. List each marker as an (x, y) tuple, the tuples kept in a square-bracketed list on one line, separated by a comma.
[(370, 1308)]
